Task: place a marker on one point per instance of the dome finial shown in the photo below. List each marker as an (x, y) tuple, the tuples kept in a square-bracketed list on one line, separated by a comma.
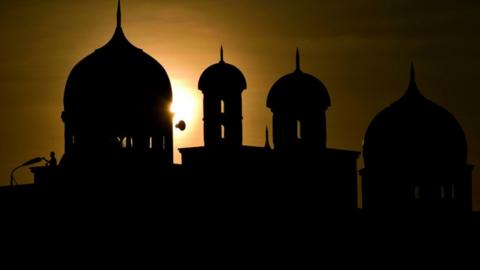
[(412, 86), (119, 15), (412, 73), (267, 141), (221, 53), (298, 60)]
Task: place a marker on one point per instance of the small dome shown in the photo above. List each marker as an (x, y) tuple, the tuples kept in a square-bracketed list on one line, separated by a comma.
[(298, 91), (222, 76), (414, 131), (117, 82)]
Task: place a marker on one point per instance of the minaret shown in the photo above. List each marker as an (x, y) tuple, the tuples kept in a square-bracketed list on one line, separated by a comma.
[(299, 102), (222, 85)]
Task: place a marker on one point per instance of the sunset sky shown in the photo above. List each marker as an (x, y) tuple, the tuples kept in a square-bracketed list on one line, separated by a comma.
[(360, 50)]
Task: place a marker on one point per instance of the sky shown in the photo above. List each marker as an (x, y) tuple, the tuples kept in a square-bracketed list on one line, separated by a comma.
[(360, 50)]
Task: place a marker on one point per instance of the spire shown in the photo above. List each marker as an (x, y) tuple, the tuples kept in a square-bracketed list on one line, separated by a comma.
[(298, 60), (221, 53), (412, 86), (267, 141), (412, 73), (118, 38), (119, 15)]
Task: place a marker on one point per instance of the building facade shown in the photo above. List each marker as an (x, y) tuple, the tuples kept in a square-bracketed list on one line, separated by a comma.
[(119, 133)]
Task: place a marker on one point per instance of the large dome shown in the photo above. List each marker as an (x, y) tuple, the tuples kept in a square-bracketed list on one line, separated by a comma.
[(117, 85), (221, 76), (298, 91), (414, 131)]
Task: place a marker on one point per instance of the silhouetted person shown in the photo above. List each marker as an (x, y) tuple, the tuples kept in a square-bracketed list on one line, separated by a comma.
[(52, 163)]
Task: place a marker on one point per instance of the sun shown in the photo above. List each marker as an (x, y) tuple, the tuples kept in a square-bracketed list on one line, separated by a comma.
[(184, 105)]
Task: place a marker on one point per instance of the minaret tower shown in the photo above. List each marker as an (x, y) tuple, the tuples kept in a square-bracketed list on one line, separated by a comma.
[(299, 102), (222, 85)]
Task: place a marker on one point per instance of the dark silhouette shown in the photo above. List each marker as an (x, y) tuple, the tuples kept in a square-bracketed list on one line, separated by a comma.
[(326, 177), (298, 102), (300, 172), (13, 181), (222, 85), (53, 161), (181, 125), (415, 156), (119, 146), (117, 117), (224, 164)]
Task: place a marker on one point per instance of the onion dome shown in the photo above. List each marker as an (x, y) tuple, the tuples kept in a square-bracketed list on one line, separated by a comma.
[(414, 131), (298, 91), (221, 77), (117, 85)]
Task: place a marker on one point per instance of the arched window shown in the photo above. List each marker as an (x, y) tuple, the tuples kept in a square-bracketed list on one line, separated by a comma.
[(223, 132), (222, 106), (299, 130), (164, 146), (150, 142)]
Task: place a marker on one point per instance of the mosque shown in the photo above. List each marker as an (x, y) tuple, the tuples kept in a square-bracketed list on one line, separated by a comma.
[(119, 135)]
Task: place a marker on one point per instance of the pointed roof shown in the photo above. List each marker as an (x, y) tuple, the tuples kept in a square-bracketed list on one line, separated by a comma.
[(100, 71), (298, 91), (119, 40), (419, 130), (222, 76)]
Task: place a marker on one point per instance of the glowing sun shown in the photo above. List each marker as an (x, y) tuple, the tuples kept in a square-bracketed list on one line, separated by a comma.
[(184, 105)]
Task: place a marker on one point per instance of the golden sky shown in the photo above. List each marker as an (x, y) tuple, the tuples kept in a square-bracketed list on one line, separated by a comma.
[(361, 51)]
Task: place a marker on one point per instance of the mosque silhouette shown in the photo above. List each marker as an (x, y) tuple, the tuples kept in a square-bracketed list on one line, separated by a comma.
[(119, 142)]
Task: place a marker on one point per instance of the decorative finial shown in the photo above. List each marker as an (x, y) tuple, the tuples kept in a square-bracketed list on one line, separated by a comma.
[(221, 53), (298, 60), (267, 141), (412, 86), (119, 15), (412, 73)]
